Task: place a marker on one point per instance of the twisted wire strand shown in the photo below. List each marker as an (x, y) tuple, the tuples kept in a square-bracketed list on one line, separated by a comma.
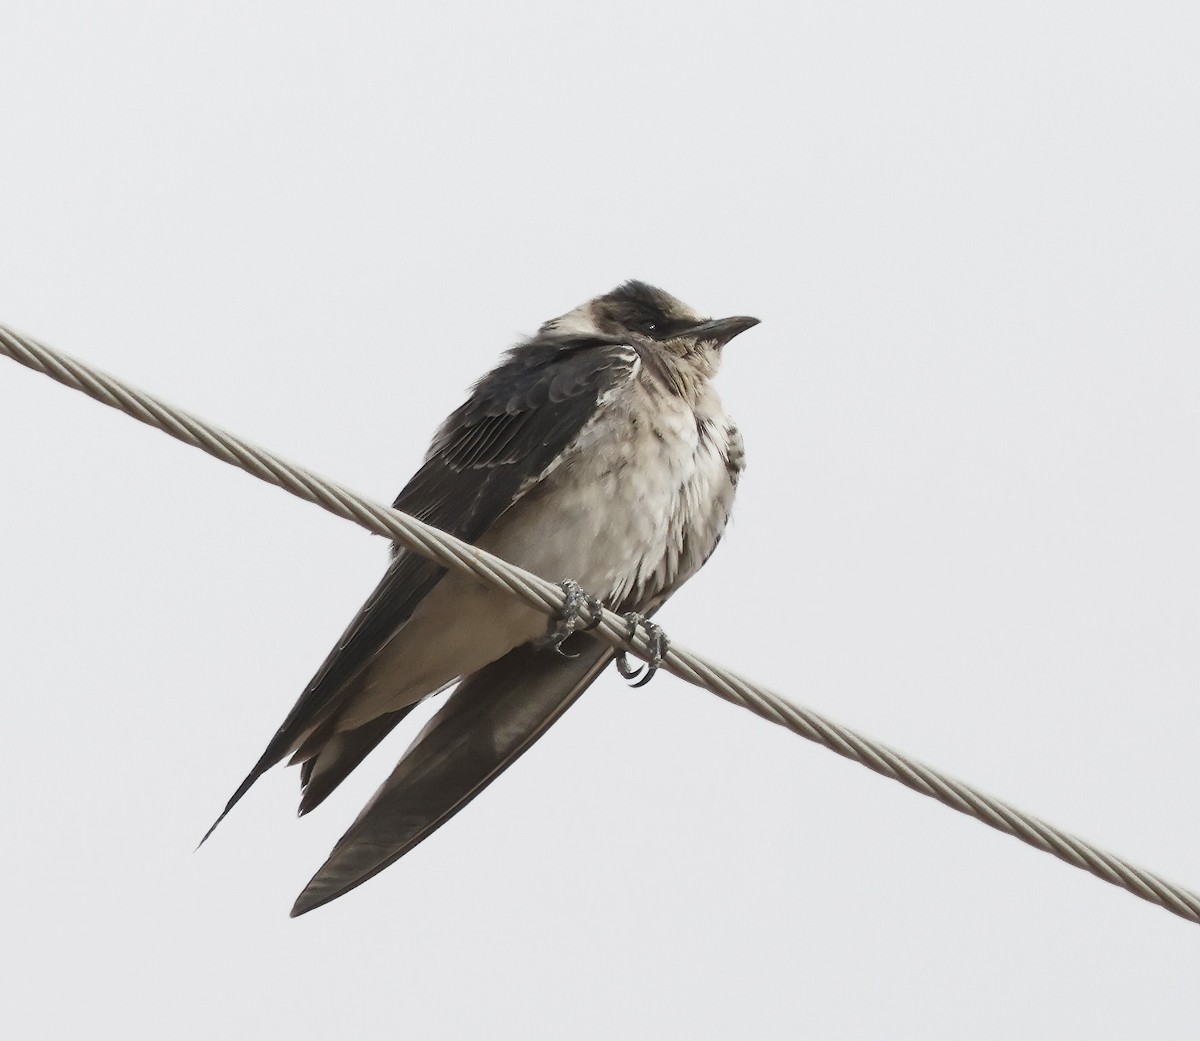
[(544, 596)]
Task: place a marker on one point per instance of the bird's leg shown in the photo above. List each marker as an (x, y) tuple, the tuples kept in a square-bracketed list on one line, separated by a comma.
[(571, 619), (659, 645)]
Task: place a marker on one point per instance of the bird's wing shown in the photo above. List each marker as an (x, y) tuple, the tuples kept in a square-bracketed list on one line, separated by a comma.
[(518, 421), (492, 717)]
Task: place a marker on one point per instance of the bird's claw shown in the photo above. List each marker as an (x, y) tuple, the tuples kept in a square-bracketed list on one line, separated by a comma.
[(570, 619), (659, 645)]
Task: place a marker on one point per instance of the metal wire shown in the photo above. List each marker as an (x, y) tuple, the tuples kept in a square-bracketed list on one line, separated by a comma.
[(544, 596)]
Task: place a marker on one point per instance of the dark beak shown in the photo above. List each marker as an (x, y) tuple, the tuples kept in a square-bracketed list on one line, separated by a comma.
[(722, 330)]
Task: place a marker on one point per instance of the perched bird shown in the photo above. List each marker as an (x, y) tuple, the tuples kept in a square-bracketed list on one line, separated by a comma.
[(596, 451)]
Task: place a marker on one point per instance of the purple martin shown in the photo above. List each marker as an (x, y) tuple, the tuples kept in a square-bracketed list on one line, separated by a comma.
[(596, 451)]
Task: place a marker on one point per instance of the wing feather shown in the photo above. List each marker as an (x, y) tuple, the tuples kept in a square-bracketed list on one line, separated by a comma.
[(518, 420)]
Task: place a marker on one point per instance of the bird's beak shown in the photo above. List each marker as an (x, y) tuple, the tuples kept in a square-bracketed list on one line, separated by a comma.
[(722, 330)]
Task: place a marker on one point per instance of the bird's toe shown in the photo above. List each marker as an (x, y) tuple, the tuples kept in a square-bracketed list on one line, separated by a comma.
[(639, 676), (571, 617)]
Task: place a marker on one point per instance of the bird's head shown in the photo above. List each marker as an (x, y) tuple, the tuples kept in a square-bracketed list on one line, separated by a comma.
[(637, 311)]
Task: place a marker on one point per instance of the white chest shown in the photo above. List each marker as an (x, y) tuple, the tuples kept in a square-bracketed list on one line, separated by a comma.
[(638, 502)]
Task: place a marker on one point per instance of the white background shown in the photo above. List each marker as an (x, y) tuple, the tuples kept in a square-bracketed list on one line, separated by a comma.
[(969, 526)]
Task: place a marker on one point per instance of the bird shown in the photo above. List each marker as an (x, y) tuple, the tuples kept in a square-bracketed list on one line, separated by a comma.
[(597, 453)]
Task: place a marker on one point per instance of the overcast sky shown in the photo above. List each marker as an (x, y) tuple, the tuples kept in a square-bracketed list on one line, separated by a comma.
[(968, 528)]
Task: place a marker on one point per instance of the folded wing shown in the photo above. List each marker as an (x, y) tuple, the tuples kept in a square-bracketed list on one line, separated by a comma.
[(519, 420)]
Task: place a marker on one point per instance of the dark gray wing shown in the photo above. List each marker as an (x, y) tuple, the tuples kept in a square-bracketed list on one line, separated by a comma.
[(520, 417), (487, 723)]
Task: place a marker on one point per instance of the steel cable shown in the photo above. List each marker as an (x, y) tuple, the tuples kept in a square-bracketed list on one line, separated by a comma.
[(549, 598)]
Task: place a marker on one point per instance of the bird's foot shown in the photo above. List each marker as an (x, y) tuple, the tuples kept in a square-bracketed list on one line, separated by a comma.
[(659, 645), (571, 619)]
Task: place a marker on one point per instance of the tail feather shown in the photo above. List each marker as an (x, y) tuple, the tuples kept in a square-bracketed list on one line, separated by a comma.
[(488, 722), (340, 753)]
